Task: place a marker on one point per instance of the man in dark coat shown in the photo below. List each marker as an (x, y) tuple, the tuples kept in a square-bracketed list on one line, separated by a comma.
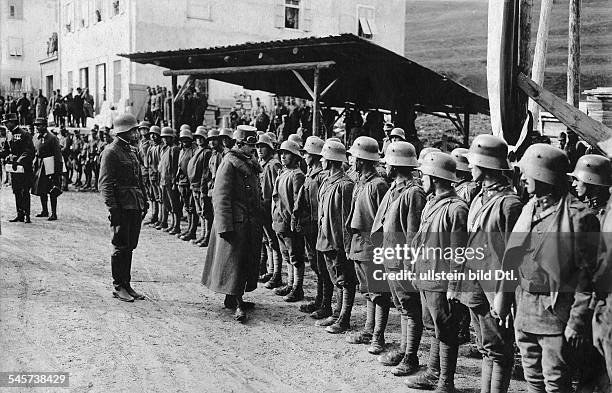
[(232, 261), (123, 192), (47, 182), (19, 152), (23, 108)]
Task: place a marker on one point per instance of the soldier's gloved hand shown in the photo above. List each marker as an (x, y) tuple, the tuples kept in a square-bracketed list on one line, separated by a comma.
[(114, 216), (575, 339), (228, 236)]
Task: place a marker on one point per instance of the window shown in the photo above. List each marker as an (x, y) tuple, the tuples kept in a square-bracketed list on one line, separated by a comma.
[(116, 80), (15, 46), (199, 9), (292, 14), (365, 22), (15, 9), (16, 84), (69, 80), (84, 77)]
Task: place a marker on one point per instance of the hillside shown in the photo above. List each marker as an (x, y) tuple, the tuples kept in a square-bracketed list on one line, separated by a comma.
[(450, 36)]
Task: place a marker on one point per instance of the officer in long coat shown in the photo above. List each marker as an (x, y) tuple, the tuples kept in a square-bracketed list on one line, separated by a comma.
[(47, 145), (19, 152), (123, 193), (231, 265)]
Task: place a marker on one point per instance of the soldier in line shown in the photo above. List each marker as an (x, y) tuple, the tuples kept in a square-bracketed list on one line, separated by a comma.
[(155, 186), (592, 182), (333, 239), (306, 212), (19, 152), (214, 142), (270, 272), (47, 186), (206, 188), (187, 152), (398, 218), (552, 293), (81, 158), (168, 167), (387, 128), (284, 197), (443, 224), (226, 140), (466, 188), (491, 219), (92, 152), (197, 173), (231, 266), (367, 195), (66, 141), (144, 144), (124, 195)]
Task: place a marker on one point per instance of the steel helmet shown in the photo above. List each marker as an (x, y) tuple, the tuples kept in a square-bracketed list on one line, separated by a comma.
[(398, 132), (291, 147), (334, 151), (365, 148), (185, 127), (441, 165), (155, 130), (185, 133), (401, 154), (244, 134), (425, 152), (214, 133), (167, 131), (201, 131), (314, 145), (593, 169), (124, 123), (334, 139), (489, 151), (295, 138), (264, 139), (144, 124), (228, 132), (272, 136), (545, 163), (460, 159)]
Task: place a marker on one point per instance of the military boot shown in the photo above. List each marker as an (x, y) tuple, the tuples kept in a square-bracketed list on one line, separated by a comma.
[(448, 365), (284, 290), (184, 233), (378, 338), (153, 218), (191, 229), (203, 235), (177, 225), (330, 320), (394, 357), (327, 291), (343, 323), (365, 336), (428, 380), (316, 304), (297, 291), (276, 281), (268, 267), (413, 329)]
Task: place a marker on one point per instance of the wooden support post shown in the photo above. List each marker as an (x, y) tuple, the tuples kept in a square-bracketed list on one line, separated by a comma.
[(539, 56), (573, 55), (174, 93), (525, 36), (466, 129), (315, 104)]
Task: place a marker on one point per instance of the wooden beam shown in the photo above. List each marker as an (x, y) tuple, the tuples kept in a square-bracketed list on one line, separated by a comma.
[(328, 88), (255, 68), (174, 93), (315, 103), (573, 54), (303, 82), (539, 56), (592, 131), (466, 129)]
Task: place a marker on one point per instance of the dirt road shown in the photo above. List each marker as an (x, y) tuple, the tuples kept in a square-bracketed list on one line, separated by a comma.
[(57, 314)]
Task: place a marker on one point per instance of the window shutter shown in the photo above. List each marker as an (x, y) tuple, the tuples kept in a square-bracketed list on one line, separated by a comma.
[(307, 16), (279, 14)]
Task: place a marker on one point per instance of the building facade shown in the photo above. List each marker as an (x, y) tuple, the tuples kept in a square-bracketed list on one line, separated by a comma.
[(26, 30), (93, 32)]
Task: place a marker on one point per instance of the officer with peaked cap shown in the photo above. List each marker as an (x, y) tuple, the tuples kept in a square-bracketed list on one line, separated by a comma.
[(443, 226), (466, 188), (397, 220), (19, 152), (492, 216), (333, 239), (558, 277), (47, 184), (367, 195), (123, 192), (231, 265)]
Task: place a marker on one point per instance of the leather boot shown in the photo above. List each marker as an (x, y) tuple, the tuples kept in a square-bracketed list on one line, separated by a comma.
[(428, 379), (343, 323), (327, 291), (316, 304), (207, 235), (268, 267), (297, 291), (240, 314), (501, 375), (200, 238), (191, 230), (365, 336), (133, 293), (284, 290), (263, 261), (393, 358), (122, 294), (276, 280), (177, 225), (187, 230), (336, 312), (378, 338), (410, 362), (448, 365)]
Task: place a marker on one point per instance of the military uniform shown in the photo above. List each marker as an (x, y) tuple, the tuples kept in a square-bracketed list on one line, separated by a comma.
[(47, 145), (168, 167), (155, 190), (143, 153), (184, 186), (20, 151), (197, 172), (267, 179), (467, 190)]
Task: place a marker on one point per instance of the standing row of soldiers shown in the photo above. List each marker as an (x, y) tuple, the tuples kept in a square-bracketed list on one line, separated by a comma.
[(551, 302)]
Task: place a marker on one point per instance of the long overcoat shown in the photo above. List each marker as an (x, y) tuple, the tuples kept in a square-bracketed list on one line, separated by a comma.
[(46, 145), (232, 265)]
